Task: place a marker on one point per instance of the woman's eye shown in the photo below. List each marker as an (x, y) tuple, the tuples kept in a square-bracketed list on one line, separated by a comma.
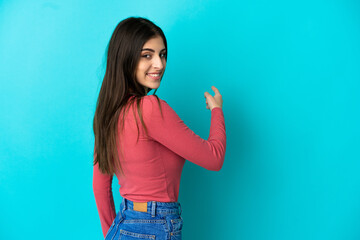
[(148, 56)]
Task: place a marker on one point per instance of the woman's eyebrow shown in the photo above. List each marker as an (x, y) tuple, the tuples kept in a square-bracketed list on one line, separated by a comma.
[(151, 50)]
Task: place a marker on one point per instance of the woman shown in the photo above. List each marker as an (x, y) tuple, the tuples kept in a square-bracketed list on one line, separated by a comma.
[(140, 138)]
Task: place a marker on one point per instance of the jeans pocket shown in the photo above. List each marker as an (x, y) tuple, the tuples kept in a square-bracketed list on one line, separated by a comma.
[(127, 235), (177, 224)]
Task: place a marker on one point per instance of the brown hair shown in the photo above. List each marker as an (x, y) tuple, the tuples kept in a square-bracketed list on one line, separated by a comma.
[(118, 86)]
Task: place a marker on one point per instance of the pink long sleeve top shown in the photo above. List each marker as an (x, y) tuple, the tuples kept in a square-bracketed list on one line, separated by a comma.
[(153, 164)]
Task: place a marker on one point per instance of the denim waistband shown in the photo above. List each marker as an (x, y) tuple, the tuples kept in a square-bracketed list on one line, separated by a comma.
[(154, 207)]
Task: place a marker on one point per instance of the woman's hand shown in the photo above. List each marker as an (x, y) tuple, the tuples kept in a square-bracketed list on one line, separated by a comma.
[(213, 101)]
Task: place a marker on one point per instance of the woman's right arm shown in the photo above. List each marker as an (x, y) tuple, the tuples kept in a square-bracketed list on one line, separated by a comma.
[(174, 134)]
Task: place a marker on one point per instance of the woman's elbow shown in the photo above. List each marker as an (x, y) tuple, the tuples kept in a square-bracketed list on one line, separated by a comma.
[(216, 166)]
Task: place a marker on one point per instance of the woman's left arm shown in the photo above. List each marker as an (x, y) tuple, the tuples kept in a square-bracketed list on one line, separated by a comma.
[(104, 198)]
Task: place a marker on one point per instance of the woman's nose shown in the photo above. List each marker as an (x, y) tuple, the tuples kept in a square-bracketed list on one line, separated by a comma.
[(157, 63)]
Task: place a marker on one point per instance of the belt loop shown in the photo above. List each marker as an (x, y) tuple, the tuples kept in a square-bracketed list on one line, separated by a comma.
[(180, 208), (125, 203), (124, 206), (153, 205)]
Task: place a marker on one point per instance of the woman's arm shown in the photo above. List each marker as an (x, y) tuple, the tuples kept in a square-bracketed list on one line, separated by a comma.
[(104, 198), (171, 132)]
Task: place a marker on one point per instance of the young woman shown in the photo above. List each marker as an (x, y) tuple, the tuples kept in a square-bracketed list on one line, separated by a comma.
[(140, 138)]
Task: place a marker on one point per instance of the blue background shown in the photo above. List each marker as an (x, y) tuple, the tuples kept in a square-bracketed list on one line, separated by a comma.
[(289, 74)]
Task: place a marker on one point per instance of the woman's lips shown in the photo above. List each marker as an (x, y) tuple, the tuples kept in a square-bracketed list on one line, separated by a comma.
[(154, 76)]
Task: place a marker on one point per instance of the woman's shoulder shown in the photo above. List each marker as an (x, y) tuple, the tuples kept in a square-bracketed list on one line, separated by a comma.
[(151, 99), (154, 104)]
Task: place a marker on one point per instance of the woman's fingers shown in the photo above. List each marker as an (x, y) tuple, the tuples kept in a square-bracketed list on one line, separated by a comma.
[(213, 101), (215, 90)]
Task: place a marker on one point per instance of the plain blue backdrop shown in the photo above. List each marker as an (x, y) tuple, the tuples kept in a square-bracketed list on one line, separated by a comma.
[(289, 74)]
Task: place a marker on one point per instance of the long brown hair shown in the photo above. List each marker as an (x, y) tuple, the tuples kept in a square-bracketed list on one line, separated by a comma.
[(118, 86)]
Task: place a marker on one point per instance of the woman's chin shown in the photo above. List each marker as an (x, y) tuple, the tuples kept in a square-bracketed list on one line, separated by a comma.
[(155, 86)]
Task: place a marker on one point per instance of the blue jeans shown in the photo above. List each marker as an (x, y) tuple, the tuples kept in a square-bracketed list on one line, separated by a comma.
[(161, 221)]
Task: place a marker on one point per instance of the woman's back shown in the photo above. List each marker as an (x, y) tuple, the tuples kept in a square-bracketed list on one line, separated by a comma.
[(153, 164)]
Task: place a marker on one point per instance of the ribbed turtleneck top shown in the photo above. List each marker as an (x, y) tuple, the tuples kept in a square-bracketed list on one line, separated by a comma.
[(153, 163)]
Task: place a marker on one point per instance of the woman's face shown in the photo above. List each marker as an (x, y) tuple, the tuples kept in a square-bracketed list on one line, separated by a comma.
[(151, 66)]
